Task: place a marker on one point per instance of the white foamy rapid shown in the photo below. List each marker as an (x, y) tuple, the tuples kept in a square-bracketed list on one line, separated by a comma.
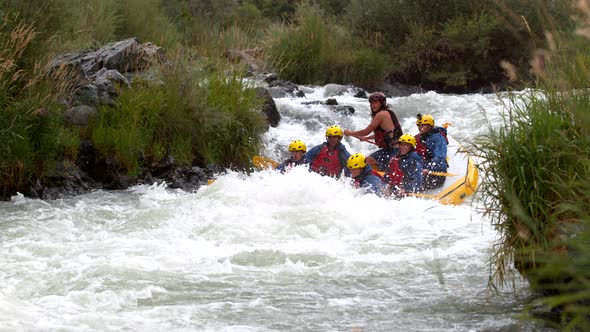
[(260, 252)]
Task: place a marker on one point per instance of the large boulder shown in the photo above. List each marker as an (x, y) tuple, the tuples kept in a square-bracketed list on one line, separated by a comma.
[(122, 56), (92, 76), (269, 108)]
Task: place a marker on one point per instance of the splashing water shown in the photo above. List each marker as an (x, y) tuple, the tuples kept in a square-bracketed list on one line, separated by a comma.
[(264, 252)]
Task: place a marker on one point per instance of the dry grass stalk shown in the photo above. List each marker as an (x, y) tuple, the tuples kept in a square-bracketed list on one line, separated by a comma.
[(538, 63), (509, 70)]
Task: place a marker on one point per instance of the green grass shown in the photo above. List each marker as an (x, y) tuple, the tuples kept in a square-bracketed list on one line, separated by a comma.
[(536, 188), (29, 117), (191, 114), (315, 51)]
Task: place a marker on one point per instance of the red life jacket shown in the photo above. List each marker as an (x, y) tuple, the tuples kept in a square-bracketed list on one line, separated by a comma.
[(380, 133), (327, 162), (421, 149), (395, 175)]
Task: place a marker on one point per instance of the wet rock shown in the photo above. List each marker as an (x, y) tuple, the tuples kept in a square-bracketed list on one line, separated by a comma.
[(361, 94), (335, 90), (331, 101), (269, 108), (344, 110), (289, 88)]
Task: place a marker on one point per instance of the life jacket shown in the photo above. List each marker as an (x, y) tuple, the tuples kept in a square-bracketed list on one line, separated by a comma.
[(358, 179), (327, 162), (395, 176), (421, 146), (383, 138)]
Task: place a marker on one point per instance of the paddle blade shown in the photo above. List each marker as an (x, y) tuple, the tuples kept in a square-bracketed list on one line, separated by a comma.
[(262, 162), (422, 195), (441, 174)]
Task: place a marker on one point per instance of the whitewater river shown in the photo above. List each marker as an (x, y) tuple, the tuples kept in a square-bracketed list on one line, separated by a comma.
[(265, 252)]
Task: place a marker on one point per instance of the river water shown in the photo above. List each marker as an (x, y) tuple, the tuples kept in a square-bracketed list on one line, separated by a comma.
[(264, 252)]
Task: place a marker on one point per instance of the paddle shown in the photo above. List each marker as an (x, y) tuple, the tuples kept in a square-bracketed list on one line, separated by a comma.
[(441, 173), (263, 162), (259, 162), (422, 195), (365, 140)]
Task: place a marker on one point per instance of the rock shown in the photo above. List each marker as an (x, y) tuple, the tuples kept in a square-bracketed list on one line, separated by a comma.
[(85, 95), (331, 101), (80, 115), (269, 108), (106, 91), (288, 87), (123, 56), (113, 76), (334, 89), (361, 94), (344, 110), (247, 57)]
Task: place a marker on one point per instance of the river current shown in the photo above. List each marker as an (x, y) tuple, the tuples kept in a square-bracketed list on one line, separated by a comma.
[(262, 252)]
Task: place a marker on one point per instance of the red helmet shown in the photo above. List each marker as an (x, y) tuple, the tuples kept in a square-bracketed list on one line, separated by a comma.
[(377, 96)]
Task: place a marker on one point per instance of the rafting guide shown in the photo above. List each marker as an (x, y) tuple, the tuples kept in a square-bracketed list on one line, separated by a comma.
[(385, 128)]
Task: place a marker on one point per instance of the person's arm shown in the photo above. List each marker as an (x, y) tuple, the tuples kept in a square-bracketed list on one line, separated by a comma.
[(438, 149), (310, 155), (397, 128), (376, 186), (414, 174), (370, 128), (281, 167), (343, 156)]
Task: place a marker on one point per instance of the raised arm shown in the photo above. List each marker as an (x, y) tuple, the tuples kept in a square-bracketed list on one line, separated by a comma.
[(377, 120)]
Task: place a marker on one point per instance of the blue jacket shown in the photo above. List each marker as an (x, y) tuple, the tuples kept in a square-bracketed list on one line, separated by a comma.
[(436, 144), (343, 155), (289, 163), (411, 165), (369, 181)]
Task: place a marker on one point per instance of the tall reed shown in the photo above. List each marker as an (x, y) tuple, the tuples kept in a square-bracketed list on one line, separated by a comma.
[(28, 118), (536, 189)]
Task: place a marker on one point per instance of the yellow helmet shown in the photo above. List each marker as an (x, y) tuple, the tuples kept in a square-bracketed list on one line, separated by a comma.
[(357, 160), (297, 145), (425, 119), (334, 131), (407, 138)]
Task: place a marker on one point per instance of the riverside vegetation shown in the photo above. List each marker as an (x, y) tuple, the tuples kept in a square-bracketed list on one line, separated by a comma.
[(537, 187), (199, 112)]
